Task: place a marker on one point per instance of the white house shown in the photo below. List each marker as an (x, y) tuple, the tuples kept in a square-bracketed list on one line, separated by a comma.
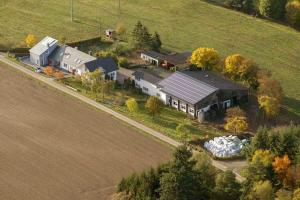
[(148, 83), (40, 53)]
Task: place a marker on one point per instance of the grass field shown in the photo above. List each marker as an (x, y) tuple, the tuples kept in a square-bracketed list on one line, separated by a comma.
[(54, 147), (183, 25)]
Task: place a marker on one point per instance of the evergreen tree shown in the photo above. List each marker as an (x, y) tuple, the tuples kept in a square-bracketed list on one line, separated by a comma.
[(227, 188), (156, 42), (182, 181)]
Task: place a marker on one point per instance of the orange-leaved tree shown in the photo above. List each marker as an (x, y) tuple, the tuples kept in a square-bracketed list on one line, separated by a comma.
[(59, 74), (49, 71), (283, 170)]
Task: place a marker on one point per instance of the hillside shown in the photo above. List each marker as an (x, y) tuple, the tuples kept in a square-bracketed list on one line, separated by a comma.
[(183, 25)]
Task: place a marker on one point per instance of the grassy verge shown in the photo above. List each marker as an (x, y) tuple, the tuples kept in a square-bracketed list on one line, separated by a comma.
[(165, 123)]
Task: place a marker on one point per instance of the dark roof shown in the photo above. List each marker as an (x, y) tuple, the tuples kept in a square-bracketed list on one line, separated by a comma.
[(58, 53), (147, 76), (186, 88), (106, 64), (178, 58), (154, 54), (214, 80)]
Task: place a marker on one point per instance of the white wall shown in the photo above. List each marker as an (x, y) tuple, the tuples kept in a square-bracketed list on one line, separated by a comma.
[(152, 89)]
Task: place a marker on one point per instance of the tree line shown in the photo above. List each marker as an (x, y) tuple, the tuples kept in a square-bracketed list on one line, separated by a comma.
[(273, 171), (282, 10)]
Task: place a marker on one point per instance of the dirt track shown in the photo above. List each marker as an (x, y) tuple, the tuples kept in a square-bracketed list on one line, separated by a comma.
[(55, 147)]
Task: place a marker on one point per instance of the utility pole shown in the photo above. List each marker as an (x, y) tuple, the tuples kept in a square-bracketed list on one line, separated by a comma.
[(119, 10), (71, 10)]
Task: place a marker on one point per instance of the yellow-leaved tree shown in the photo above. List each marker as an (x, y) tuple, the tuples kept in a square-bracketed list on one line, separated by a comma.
[(264, 156), (132, 105), (269, 105), (205, 58), (236, 120), (30, 40)]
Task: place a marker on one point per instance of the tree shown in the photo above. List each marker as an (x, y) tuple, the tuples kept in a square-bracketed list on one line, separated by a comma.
[(227, 188), (120, 29), (49, 71), (263, 190), (235, 112), (105, 88), (293, 13), (269, 105), (92, 79), (282, 168), (274, 9), (270, 87), (181, 180), (154, 105), (141, 36), (296, 195), (264, 156), (283, 194), (205, 58), (62, 40), (236, 124), (123, 62), (156, 42), (30, 40), (241, 69), (206, 169), (59, 74), (132, 105)]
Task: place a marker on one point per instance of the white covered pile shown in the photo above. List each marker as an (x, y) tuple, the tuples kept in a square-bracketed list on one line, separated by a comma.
[(225, 146)]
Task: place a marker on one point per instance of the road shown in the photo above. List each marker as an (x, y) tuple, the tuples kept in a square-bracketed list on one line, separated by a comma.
[(49, 81)]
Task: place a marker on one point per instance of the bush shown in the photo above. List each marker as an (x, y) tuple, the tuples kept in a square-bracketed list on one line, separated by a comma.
[(132, 105), (154, 105), (123, 62), (59, 74), (49, 71)]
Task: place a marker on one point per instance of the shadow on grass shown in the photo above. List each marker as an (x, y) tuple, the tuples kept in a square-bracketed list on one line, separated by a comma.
[(291, 110)]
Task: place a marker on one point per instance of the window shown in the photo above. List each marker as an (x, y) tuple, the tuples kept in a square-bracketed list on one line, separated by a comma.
[(157, 94), (191, 110), (182, 106), (65, 66), (175, 103), (145, 89)]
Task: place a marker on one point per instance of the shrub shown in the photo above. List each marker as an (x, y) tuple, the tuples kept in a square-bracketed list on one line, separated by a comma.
[(154, 105), (49, 71), (59, 74), (132, 105), (123, 62)]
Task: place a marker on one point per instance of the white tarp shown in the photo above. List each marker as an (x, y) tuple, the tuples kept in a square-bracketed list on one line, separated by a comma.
[(225, 146)]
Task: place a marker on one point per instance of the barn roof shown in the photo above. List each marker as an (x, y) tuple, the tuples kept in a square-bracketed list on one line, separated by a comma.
[(186, 88), (147, 76)]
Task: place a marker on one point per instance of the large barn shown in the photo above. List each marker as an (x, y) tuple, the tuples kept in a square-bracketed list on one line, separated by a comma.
[(197, 92)]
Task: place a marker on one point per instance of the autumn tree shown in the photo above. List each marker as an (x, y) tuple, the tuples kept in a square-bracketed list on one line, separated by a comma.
[(236, 120), (30, 40), (154, 105), (49, 71), (296, 195), (132, 105), (282, 168), (106, 88), (205, 58), (269, 105), (92, 79), (120, 30), (274, 9), (293, 12), (270, 87), (241, 69)]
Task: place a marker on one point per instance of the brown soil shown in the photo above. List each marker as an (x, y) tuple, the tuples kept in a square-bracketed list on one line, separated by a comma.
[(55, 147)]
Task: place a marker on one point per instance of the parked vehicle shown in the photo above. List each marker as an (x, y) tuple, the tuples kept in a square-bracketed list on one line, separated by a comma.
[(38, 70)]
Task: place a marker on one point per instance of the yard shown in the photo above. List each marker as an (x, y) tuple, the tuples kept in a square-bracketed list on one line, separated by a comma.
[(55, 147), (183, 25), (166, 122)]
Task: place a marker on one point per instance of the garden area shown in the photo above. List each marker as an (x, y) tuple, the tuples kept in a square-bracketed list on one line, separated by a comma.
[(169, 121)]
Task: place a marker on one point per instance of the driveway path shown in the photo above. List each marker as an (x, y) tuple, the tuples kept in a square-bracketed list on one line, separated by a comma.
[(221, 165)]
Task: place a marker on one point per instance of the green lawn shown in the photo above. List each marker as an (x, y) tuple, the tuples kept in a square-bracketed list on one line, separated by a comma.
[(166, 122), (183, 25)]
